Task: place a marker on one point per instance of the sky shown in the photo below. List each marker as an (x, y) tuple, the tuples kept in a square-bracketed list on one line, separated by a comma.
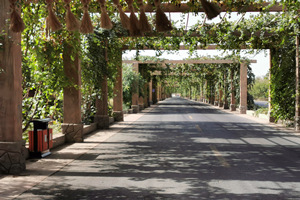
[(259, 69)]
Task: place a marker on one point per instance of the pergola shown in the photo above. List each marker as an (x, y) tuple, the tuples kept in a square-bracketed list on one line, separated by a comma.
[(11, 143), (243, 80)]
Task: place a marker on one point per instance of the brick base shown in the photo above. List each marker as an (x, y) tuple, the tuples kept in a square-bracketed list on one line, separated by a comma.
[(141, 107), (118, 115), (102, 121), (12, 158), (232, 107), (135, 108), (73, 132), (243, 109)]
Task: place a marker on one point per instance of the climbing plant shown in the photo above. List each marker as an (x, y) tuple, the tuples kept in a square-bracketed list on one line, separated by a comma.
[(100, 58), (42, 64)]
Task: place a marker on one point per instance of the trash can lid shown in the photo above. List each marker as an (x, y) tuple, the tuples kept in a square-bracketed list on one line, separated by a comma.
[(46, 120)]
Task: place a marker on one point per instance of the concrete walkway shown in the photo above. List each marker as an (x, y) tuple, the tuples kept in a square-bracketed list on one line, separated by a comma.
[(37, 170), (179, 149)]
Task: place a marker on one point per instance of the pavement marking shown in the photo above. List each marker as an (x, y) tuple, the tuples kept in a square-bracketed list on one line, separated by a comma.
[(198, 128), (219, 156), (190, 117)]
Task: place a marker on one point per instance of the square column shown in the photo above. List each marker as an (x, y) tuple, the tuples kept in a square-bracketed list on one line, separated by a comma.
[(232, 94), (146, 93), (225, 106), (271, 119), (101, 117), (243, 88), (135, 93), (297, 109), (72, 126), (118, 94), (12, 160), (150, 93), (141, 103), (220, 97)]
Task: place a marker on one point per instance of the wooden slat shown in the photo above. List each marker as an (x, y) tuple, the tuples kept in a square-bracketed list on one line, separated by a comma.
[(168, 7)]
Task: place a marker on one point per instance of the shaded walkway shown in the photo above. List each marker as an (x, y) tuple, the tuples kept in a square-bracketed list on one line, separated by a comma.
[(179, 150)]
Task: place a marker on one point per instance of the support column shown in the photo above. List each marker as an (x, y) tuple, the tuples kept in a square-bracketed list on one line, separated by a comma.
[(150, 93), (141, 103), (220, 97), (158, 92), (232, 94), (216, 100), (12, 159), (135, 93), (243, 88), (146, 85), (297, 112), (72, 126), (205, 92), (202, 91), (101, 117), (118, 94), (271, 119), (225, 93)]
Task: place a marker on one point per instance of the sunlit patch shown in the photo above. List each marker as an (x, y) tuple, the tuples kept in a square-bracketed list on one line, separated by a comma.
[(259, 141), (160, 186), (253, 187), (217, 141)]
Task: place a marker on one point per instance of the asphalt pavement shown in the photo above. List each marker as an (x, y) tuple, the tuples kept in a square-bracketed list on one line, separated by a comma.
[(180, 149)]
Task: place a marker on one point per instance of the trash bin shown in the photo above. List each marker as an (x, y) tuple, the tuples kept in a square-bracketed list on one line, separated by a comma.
[(41, 138)]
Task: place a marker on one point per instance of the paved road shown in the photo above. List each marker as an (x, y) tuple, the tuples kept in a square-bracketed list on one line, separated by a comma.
[(183, 150)]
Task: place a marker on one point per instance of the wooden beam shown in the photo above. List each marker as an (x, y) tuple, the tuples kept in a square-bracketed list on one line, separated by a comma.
[(196, 34), (184, 61), (183, 8), (182, 47)]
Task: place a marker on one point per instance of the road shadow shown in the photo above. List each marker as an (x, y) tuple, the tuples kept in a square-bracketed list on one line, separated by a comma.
[(173, 160)]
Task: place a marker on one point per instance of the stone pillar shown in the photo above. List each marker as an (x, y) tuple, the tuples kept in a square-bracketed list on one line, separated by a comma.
[(150, 93), (159, 87), (141, 103), (202, 91), (146, 85), (135, 94), (297, 111), (118, 94), (205, 92), (225, 106), (220, 97), (271, 119), (157, 92), (101, 117), (12, 159), (72, 126), (216, 101), (243, 88), (232, 94)]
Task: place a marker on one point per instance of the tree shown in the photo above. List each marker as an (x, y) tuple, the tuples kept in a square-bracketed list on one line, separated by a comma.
[(260, 88)]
